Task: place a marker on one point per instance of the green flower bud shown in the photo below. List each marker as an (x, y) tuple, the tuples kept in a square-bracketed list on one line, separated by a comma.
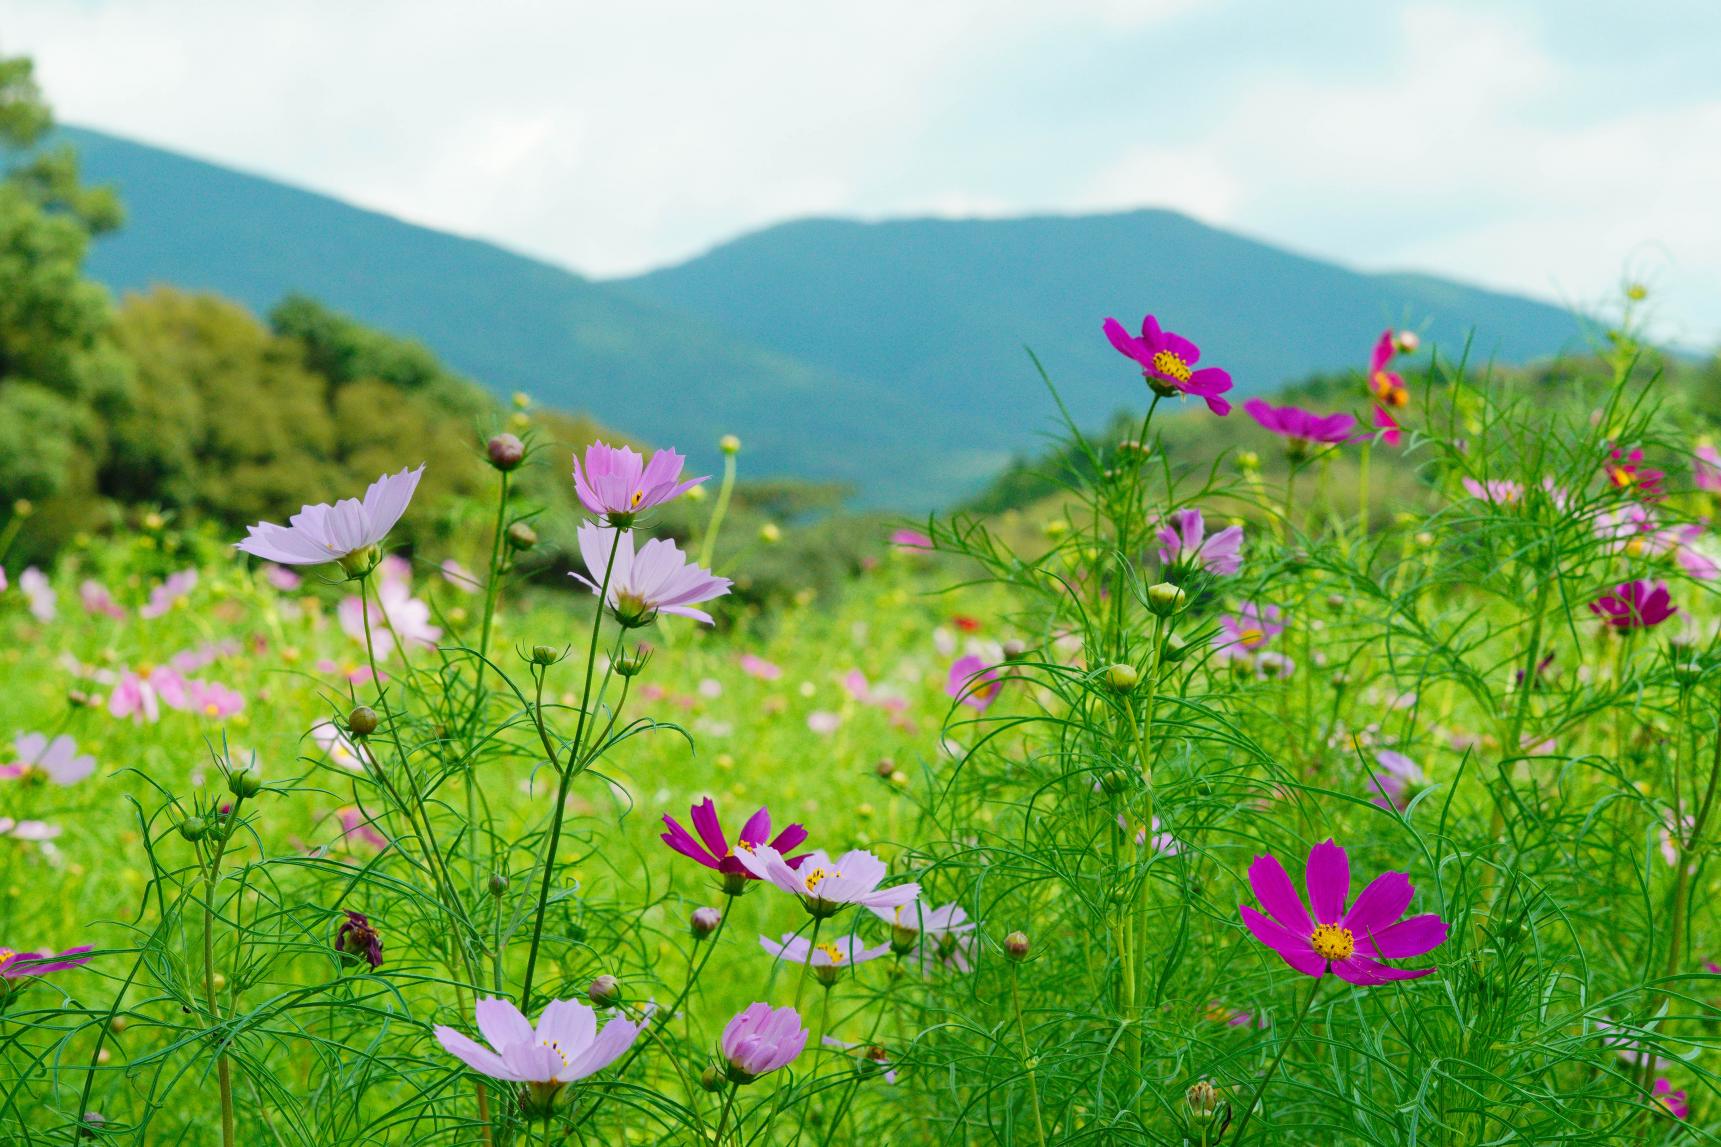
[(1016, 945), (194, 828), (244, 783), (1122, 678), (545, 655), (362, 722), (522, 537), (1165, 599)]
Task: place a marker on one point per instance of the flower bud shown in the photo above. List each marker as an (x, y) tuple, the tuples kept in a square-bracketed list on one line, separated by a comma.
[(522, 400), (244, 783), (633, 664), (194, 828), (1016, 945), (1248, 461), (885, 768), (545, 655), (704, 922), (604, 990), (903, 938), (1203, 1099), (729, 444), (1687, 673), (506, 452), (712, 1079), (1406, 342), (497, 884), (1122, 677), (1015, 649), (362, 721), (522, 536), (770, 533), (1165, 599)]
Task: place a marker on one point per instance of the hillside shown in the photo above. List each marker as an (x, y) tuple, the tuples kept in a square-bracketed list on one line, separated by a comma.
[(885, 355)]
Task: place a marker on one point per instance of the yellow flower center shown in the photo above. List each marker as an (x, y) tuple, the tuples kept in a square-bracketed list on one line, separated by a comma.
[(1171, 366), (7, 955), (817, 876), (1252, 636), (1333, 942), (556, 1046), (834, 952), (638, 497)]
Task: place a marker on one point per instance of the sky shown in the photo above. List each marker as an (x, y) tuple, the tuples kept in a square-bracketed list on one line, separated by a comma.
[(1556, 148)]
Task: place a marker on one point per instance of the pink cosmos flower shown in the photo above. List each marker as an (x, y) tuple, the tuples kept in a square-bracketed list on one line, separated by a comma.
[(1349, 943), (356, 826), (824, 722), (842, 952), (191, 660), (755, 666), (1301, 427), (1496, 491), (281, 577), (58, 760), (1391, 432), (565, 1046), (711, 848), (1397, 779), (1164, 843), (15, 965), (213, 699), (658, 579), (617, 483), (98, 602), (760, 1040), (163, 596), (1635, 605), (3, 581), (349, 529), (1184, 544), (1248, 630), (140, 695), (973, 682), (30, 831), (942, 935), (1168, 361), (394, 614), (460, 577), (1625, 472), (910, 540), (1387, 386), (335, 744), (825, 887), (1705, 470), (1673, 1101), (44, 603)]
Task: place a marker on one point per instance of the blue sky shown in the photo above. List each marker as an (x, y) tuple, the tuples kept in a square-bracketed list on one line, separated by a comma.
[(1550, 148)]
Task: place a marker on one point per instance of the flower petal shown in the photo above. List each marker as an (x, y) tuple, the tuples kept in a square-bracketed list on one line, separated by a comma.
[(1328, 880)]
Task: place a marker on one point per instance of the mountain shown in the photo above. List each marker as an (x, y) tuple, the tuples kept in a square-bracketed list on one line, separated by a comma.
[(889, 356)]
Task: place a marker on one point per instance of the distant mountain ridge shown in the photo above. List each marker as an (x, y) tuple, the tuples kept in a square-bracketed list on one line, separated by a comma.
[(886, 355)]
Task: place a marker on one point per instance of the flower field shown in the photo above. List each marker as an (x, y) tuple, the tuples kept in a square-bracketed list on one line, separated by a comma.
[(1354, 785)]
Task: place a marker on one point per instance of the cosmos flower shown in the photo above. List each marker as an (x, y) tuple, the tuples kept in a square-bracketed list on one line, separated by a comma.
[(1248, 630), (15, 965), (1387, 386), (656, 579), (394, 615), (1168, 361), (1350, 943), (1390, 431), (941, 935), (1673, 1101), (712, 849), (760, 1040), (163, 596), (973, 682), (829, 955), (281, 577), (911, 540), (1302, 428), (347, 532), (565, 1046), (617, 483), (213, 699), (39, 594), (1625, 472), (1164, 844), (1184, 545), (336, 745), (140, 694), (459, 576), (1495, 491), (825, 887), (755, 666), (32, 831), (356, 826), (1635, 605), (1397, 779), (1705, 470), (58, 760), (97, 601)]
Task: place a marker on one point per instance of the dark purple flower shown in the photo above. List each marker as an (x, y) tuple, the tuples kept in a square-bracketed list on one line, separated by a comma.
[(712, 849), (1168, 361), (356, 937), (1635, 605), (1302, 427)]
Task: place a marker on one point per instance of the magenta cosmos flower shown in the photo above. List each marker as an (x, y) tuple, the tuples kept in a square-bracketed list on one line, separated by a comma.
[(16, 965), (825, 886), (1184, 545), (1248, 630), (1388, 428), (1705, 472), (1635, 605), (760, 1040), (58, 760), (565, 1046), (1673, 1101), (1387, 386), (1168, 361), (617, 483), (1625, 472), (656, 579), (712, 849), (347, 532), (1350, 943), (1302, 428), (973, 682)]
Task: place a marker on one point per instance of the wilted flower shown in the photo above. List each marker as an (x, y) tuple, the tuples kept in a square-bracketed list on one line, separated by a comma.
[(1184, 545), (57, 760), (760, 1040), (712, 848), (659, 578), (973, 682), (1348, 943), (824, 886), (617, 483), (347, 532), (1168, 361), (1387, 386), (565, 1046), (358, 939), (1635, 605), (1300, 427)]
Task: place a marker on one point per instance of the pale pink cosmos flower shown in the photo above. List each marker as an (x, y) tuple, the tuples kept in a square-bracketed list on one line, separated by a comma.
[(213, 699), (44, 603), (824, 722), (1397, 779), (841, 952), (28, 831), (755, 666), (942, 935), (760, 1040), (565, 1046), (163, 597), (460, 577), (973, 682), (336, 745), (140, 696), (348, 529), (1495, 491), (617, 483), (825, 886), (281, 577), (1184, 544), (356, 826), (58, 759), (1248, 630), (394, 614), (1706, 468), (656, 579), (97, 601)]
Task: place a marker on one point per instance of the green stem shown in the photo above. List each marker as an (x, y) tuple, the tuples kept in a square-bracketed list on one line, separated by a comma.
[(223, 1070), (723, 1119), (708, 544), (807, 968), (1284, 1046), (1027, 1057)]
